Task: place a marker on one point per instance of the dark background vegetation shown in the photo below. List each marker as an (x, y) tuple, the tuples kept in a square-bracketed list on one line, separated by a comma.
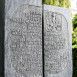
[(1, 38), (74, 45)]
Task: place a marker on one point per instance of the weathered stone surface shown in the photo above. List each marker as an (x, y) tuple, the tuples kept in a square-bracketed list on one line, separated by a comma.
[(23, 38), (57, 42)]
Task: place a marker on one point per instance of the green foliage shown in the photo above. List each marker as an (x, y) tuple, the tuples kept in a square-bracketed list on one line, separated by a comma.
[(60, 3), (75, 21), (74, 34), (74, 45)]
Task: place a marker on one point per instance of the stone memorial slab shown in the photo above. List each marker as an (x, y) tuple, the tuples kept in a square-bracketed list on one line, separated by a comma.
[(57, 42), (23, 38)]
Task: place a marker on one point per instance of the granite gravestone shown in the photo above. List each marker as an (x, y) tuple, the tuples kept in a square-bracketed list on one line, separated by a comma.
[(23, 38), (57, 42)]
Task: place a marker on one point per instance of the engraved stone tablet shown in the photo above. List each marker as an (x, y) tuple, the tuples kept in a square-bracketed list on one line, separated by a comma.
[(57, 50), (23, 55)]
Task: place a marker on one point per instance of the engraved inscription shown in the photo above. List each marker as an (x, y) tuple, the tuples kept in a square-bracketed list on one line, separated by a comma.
[(55, 42), (26, 41)]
